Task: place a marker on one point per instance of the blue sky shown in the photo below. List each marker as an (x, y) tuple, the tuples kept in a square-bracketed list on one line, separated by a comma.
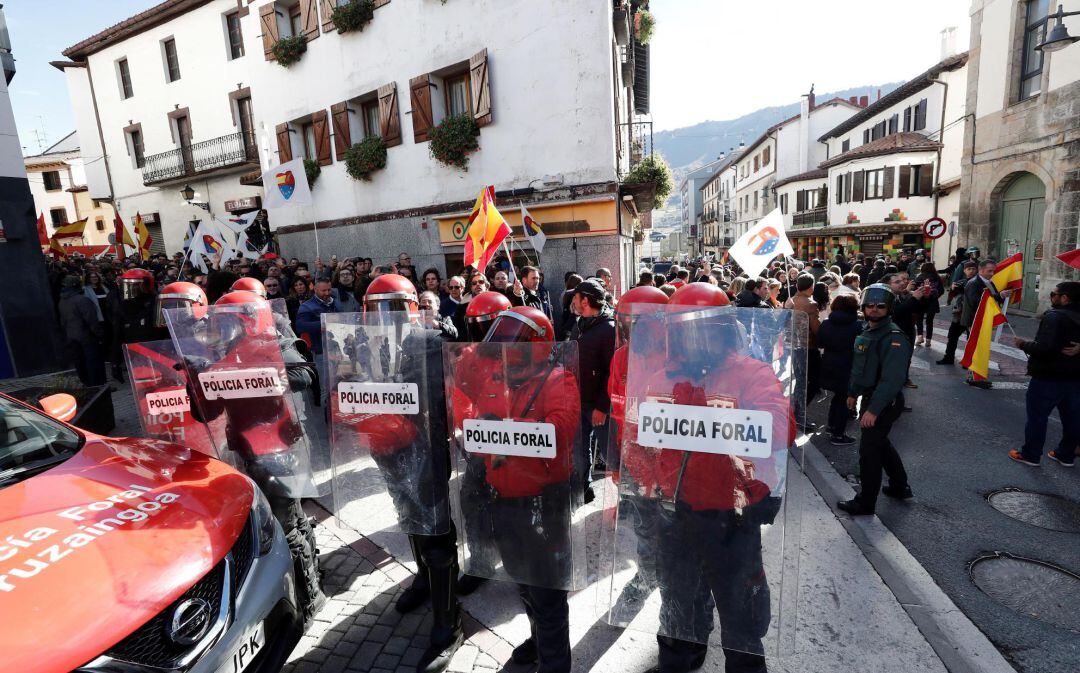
[(40, 30)]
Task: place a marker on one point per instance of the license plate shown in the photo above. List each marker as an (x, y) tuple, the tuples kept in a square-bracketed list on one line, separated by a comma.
[(246, 651)]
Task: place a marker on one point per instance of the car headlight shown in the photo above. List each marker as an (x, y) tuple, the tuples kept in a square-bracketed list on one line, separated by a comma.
[(264, 520)]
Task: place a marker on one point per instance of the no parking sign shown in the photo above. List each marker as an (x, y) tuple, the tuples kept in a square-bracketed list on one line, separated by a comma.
[(934, 228)]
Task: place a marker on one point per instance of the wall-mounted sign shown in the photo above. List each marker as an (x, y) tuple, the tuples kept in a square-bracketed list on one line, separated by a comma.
[(1038, 254), (150, 218), (246, 203)]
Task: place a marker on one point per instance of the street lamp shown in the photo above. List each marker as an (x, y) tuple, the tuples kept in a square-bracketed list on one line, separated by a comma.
[(1059, 37), (188, 195)]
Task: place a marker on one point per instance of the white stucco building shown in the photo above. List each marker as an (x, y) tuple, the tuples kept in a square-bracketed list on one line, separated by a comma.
[(692, 203), (718, 212), (190, 93), (891, 167), (57, 180), (783, 150)]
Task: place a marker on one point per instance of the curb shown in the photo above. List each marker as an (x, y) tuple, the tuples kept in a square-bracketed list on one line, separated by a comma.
[(960, 645)]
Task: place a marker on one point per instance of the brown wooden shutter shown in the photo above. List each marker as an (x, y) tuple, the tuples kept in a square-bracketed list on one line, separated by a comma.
[(321, 131), (839, 189), (327, 9), (857, 186), (800, 201), (481, 88), (926, 180), (887, 182), (907, 119), (847, 188), (905, 181), (389, 118), (420, 97), (920, 115), (268, 21), (284, 143), (309, 18), (339, 117)]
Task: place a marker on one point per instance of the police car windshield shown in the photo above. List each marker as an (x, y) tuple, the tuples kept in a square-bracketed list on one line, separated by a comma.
[(31, 443)]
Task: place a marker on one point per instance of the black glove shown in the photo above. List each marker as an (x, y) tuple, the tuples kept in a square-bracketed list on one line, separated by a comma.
[(764, 511)]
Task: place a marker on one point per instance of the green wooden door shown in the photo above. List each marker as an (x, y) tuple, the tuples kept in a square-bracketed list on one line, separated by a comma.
[(1023, 206)]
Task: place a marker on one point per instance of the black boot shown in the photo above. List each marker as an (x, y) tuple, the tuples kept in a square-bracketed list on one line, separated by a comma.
[(466, 584), (300, 534), (446, 633), (526, 653), (417, 592), (855, 507)]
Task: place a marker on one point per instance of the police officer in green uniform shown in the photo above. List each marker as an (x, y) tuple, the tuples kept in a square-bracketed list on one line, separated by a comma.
[(877, 375)]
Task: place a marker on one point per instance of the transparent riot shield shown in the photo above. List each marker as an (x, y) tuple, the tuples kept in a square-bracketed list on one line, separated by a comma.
[(695, 531), (159, 386), (234, 358), (519, 466), (388, 423)]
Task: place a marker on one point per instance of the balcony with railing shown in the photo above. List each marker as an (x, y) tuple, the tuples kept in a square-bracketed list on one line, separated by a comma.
[(810, 218), (234, 151)]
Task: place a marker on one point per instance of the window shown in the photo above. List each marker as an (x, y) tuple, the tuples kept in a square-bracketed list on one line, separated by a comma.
[(757, 163), (917, 180), (296, 23), (766, 156), (52, 181), (125, 79), (1031, 59), (894, 124), (457, 95), (58, 216), (874, 184), (783, 203), (907, 119), (845, 146), (236, 37), (370, 115), (755, 199), (866, 136), (135, 144), (920, 116), (878, 131), (31, 443), (172, 63), (307, 132), (99, 223)]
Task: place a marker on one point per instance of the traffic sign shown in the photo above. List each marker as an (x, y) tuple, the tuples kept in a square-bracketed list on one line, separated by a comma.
[(935, 227)]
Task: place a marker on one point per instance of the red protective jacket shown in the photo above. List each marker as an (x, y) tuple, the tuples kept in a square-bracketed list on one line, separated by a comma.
[(714, 481), (558, 403)]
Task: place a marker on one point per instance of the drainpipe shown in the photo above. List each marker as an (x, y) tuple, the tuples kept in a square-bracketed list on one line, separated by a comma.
[(941, 146)]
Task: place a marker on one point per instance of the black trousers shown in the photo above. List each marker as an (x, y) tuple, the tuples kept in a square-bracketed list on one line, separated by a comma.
[(436, 562), (300, 535), (955, 330), (705, 558), (876, 452), (838, 413)]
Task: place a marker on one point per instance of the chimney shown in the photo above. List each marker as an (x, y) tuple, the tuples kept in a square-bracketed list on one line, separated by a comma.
[(948, 42), (878, 95), (854, 100), (812, 99), (864, 101), (742, 146)]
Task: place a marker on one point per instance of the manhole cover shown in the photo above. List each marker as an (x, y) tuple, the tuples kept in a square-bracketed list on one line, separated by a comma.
[(1051, 512), (1034, 588)]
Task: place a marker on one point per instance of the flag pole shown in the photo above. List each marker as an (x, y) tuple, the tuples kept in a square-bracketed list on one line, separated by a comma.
[(1004, 313), (315, 228)]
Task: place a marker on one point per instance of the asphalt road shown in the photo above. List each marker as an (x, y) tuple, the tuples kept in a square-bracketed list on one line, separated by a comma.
[(954, 446)]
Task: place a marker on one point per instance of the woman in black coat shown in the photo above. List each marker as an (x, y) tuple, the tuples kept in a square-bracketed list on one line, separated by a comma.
[(837, 338), (928, 306)]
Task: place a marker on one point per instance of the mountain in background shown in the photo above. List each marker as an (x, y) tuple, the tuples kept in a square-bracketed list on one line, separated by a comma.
[(691, 146)]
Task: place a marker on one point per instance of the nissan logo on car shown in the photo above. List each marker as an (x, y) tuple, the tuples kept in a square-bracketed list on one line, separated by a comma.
[(190, 621)]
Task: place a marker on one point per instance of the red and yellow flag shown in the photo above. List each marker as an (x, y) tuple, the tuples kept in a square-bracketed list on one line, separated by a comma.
[(487, 229), (977, 352), (70, 230), (42, 233), (1010, 276), (145, 239), (56, 249)]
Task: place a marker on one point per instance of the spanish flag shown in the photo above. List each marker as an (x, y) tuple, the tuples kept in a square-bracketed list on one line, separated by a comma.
[(56, 249), (143, 234), (487, 229), (70, 230), (1010, 276), (977, 352), (42, 233)]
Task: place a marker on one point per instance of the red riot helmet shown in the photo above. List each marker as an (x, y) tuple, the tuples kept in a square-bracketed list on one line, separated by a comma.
[(248, 315), (136, 283), (698, 339), (521, 324), (248, 284), (481, 312), (391, 292), (636, 301), (180, 294)]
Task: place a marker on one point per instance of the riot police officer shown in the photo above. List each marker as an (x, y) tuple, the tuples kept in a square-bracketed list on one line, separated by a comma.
[(878, 373), (435, 555), (133, 315)]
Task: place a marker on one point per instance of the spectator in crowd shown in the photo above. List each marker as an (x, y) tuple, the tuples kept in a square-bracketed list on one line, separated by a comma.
[(803, 301), (668, 289), (646, 278), (404, 261), (344, 293), (755, 294), (929, 282), (821, 298), (431, 281), (595, 335), (956, 327), (568, 318), (273, 288), (455, 297), (876, 273), (526, 291), (817, 269), (299, 292), (775, 287), (973, 291), (604, 274), (500, 283), (907, 303), (682, 277), (309, 323), (82, 332), (849, 285), (837, 340), (1055, 379), (428, 302)]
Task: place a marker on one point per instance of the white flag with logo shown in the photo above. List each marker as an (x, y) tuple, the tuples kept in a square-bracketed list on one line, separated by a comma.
[(286, 185), (533, 230), (761, 244), (207, 241)]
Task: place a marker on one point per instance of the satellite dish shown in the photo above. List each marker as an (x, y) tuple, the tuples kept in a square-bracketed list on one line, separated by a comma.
[(112, 239)]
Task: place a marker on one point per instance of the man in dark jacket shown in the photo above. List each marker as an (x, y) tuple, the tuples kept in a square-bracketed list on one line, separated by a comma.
[(82, 332), (595, 334), (957, 327), (1055, 379), (754, 294), (526, 290), (836, 337), (908, 300)]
